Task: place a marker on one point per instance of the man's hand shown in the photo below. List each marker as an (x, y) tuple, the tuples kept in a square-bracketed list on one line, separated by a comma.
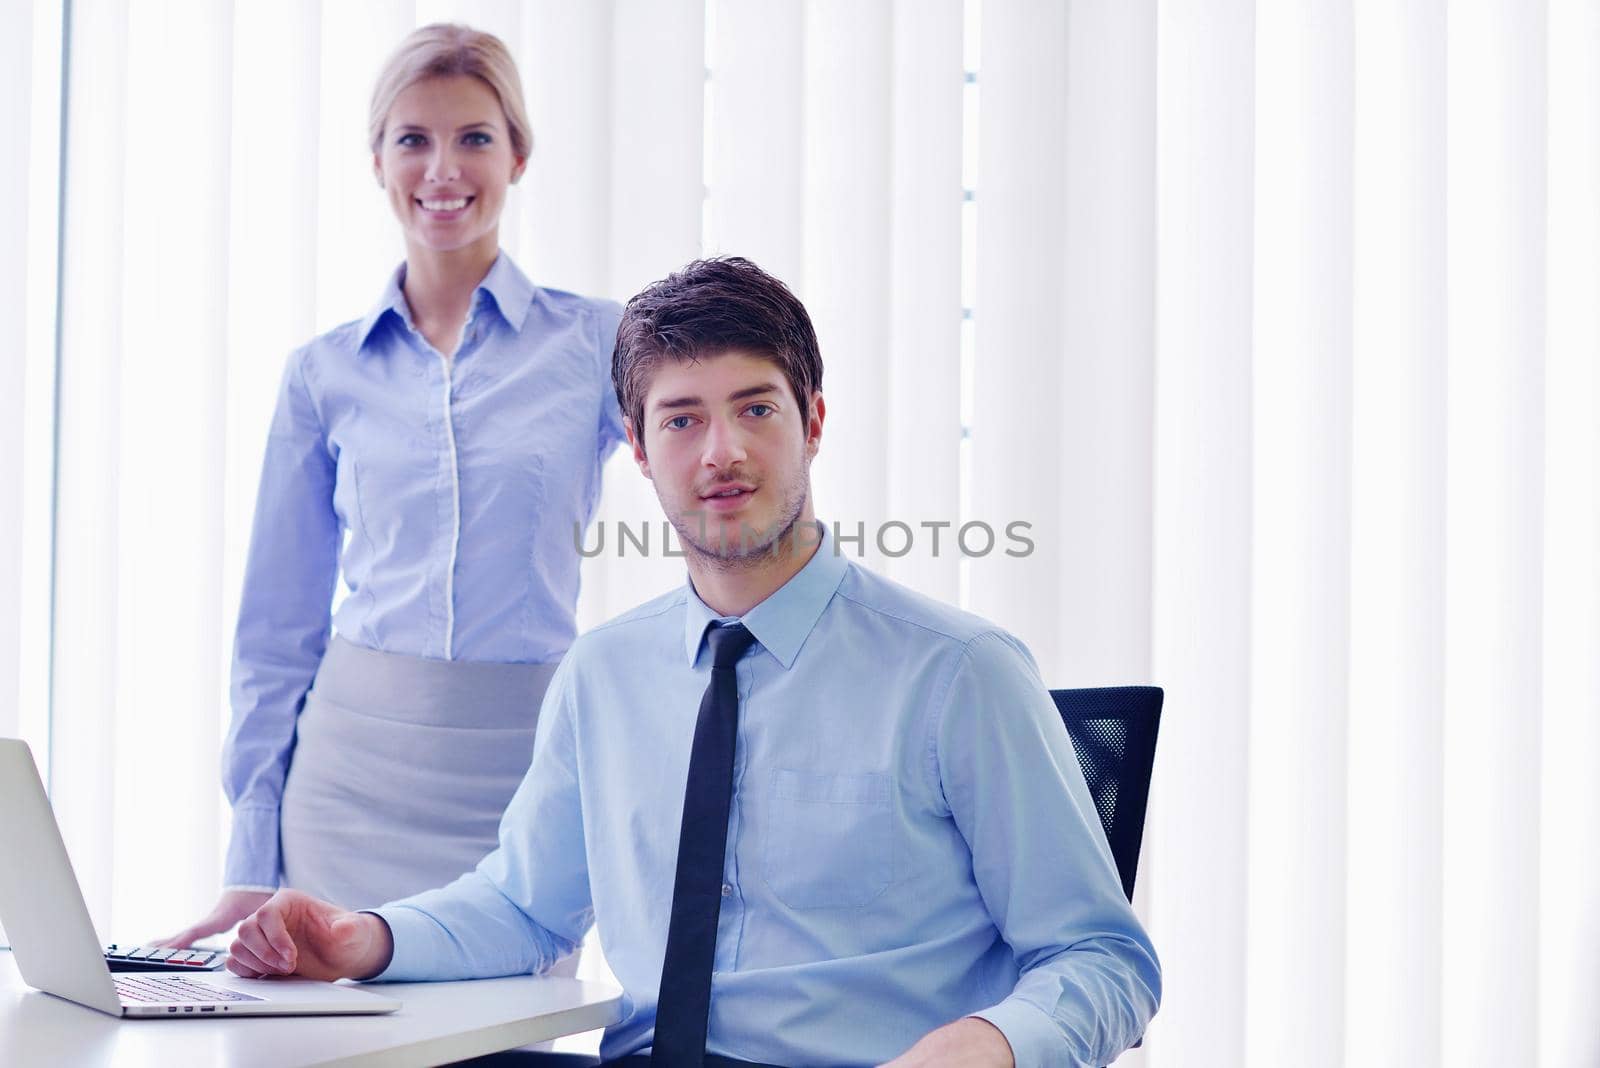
[(968, 1042), (295, 934), (231, 907)]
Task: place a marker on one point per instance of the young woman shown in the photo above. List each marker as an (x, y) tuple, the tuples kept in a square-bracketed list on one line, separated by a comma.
[(436, 454)]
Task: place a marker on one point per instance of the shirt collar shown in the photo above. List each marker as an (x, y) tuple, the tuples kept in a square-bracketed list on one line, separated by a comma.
[(505, 288), (510, 289), (783, 621), (393, 300)]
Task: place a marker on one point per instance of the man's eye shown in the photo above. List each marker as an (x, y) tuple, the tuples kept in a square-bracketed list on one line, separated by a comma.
[(679, 422), (761, 411)]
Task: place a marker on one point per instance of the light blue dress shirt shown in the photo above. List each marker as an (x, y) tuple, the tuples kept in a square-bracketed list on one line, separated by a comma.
[(444, 490), (911, 839)]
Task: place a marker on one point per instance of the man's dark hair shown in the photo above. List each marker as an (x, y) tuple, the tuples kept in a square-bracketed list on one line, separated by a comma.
[(705, 309)]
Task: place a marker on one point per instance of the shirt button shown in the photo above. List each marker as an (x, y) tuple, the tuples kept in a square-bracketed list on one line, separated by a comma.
[(727, 891)]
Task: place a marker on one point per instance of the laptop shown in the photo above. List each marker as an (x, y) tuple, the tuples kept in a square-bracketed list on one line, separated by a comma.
[(57, 951)]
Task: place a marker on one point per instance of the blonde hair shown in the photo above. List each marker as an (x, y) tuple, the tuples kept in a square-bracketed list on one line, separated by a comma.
[(444, 49)]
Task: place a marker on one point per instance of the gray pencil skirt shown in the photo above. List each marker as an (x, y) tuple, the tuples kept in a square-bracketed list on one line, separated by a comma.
[(401, 769)]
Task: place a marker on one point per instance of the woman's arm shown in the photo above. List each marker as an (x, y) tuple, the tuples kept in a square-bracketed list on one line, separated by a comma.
[(284, 615), (609, 433), (284, 622)]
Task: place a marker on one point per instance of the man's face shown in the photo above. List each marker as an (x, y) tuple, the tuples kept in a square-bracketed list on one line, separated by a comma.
[(730, 455)]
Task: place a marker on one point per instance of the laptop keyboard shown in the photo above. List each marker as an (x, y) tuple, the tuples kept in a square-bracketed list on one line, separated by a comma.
[(148, 989), (155, 959)]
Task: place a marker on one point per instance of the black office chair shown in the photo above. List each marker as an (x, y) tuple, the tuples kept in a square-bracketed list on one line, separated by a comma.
[(1113, 728)]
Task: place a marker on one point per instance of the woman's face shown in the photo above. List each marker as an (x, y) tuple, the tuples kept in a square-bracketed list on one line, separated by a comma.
[(445, 162)]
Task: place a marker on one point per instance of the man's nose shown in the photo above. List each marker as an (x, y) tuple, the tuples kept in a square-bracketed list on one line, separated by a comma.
[(724, 445)]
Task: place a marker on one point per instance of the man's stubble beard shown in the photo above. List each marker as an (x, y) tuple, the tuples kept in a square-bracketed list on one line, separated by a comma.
[(744, 554)]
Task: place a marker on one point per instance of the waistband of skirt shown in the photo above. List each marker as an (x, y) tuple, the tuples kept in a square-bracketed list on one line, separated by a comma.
[(414, 689)]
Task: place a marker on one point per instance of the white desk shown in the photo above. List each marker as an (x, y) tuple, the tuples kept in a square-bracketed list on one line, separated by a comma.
[(440, 1022)]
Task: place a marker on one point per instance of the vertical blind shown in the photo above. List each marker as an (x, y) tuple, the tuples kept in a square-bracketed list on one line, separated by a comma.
[(1275, 323)]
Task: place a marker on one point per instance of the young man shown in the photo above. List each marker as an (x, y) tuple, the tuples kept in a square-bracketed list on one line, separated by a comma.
[(818, 818)]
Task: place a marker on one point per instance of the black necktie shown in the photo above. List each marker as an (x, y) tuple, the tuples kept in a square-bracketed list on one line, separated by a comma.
[(685, 1002)]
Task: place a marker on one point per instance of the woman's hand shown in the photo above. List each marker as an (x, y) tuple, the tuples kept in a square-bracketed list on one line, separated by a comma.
[(296, 934), (231, 907)]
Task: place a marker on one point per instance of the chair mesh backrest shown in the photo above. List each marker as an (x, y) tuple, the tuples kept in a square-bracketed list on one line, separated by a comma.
[(1113, 730)]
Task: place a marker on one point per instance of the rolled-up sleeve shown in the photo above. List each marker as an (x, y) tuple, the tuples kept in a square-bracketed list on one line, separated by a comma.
[(1090, 981), (284, 622)]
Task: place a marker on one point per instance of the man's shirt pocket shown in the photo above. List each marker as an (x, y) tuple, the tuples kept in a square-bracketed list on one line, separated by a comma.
[(829, 838)]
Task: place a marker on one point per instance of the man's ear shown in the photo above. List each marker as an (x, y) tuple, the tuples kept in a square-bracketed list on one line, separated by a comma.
[(814, 417), (636, 443)]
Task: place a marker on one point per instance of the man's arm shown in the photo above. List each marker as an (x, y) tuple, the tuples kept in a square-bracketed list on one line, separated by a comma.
[(971, 1042), (527, 904), (1090, 980), (524, 907)]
